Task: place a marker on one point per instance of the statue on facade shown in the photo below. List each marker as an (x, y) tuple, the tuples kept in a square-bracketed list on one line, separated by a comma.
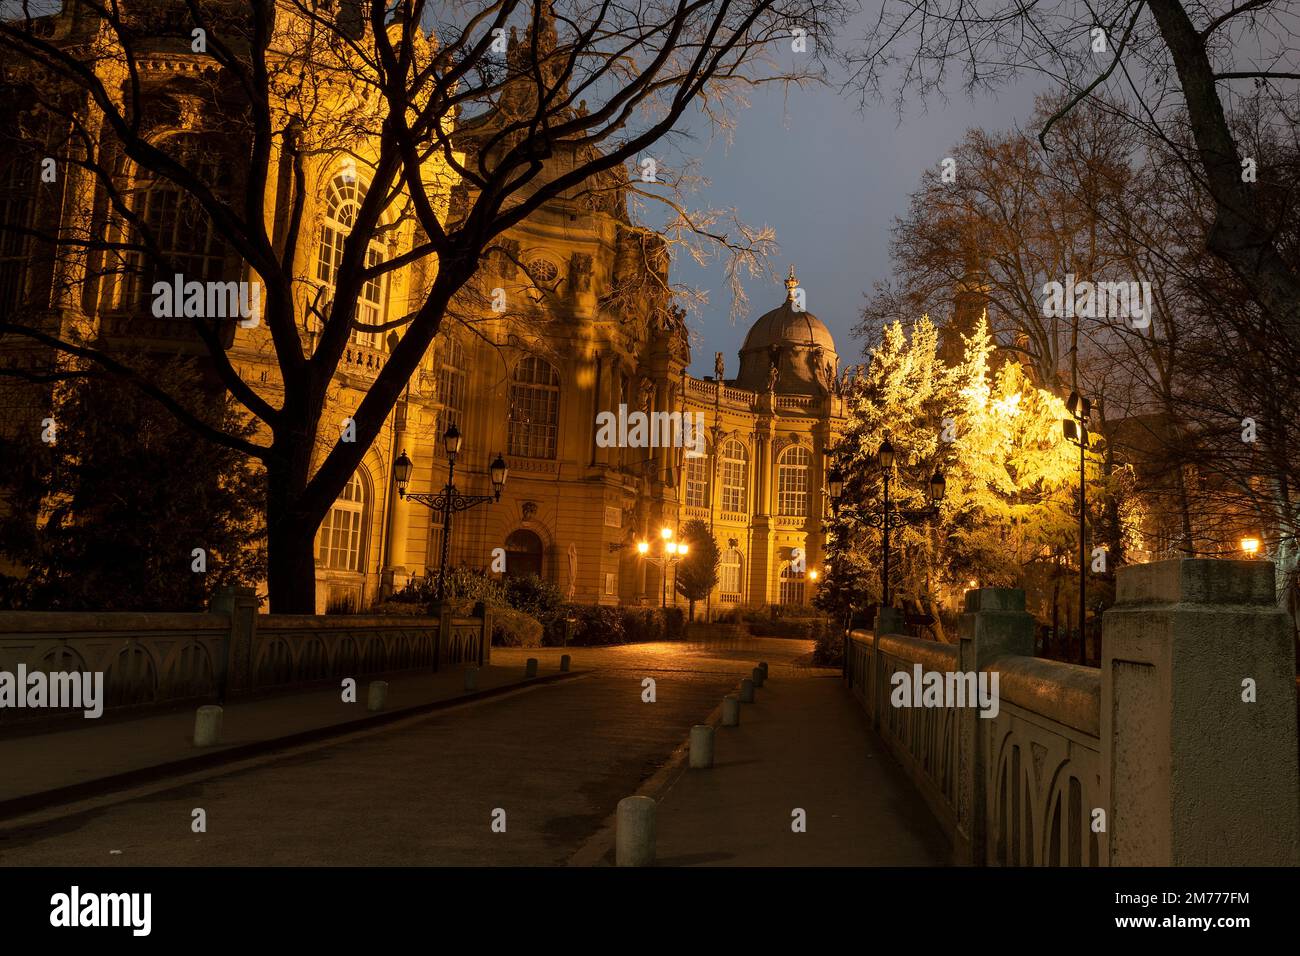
[(773, 373), (719, 367)]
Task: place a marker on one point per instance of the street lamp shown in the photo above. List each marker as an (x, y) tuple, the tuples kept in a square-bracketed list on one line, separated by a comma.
[(672, 552), (449, 500), (888, 518), (1250, 546), (1076, 431)]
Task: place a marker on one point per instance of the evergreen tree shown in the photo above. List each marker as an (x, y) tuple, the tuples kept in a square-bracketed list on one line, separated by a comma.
[(697, 573), (109, 514)]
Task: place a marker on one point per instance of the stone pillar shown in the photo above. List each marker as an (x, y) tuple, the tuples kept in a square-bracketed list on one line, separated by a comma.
[(994, 624), (234, 671), (1198, 717)]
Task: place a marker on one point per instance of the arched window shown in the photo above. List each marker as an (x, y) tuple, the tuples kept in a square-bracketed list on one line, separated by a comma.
[(342, 203), (791, 585), (451, 387), (178, 224), (792, 482), (534, 408), (735, 470), (697, 480), (729, 576), (342, 531)]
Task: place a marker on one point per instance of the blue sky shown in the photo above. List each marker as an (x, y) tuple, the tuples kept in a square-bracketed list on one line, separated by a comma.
[(830, 179)]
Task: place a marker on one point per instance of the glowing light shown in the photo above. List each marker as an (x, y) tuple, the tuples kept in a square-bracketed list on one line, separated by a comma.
[(643, 547), (1250, 545), (682, 549), (665, 533), (671, 547), (813, 574)]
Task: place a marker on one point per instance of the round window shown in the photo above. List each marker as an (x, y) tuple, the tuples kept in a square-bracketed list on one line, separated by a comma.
[(543, 270)]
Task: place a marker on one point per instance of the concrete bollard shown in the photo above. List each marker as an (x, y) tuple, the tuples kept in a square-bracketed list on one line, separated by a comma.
[(377, 695), (565, 660), (746, 691), (731, 711), (758, 676), (701, 747), (531, 669), (763, 664), (207, 725), (471, 678), (634, 832)]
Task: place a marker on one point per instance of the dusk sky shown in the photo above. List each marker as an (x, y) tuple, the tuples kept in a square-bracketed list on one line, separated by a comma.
[(830, 179)]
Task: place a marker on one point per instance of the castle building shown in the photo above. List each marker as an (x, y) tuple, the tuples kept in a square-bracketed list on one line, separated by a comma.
[(569, 316)]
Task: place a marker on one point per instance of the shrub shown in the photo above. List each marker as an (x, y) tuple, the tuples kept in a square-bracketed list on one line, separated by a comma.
[(828, 646), (511, 628), (592, 625), (674, 623), (535, 597)]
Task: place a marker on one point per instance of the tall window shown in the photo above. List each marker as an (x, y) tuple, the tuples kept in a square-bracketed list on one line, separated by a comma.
[(451, 387), (534, 408), (341, 207), (792, 482), (730, 575), (341, 532), (791, 586), (178, 224), (17, 182), (697, 481), (735, 468)]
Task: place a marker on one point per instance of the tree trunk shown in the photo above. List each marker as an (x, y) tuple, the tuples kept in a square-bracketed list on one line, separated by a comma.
[(290, 567), (290, 535)]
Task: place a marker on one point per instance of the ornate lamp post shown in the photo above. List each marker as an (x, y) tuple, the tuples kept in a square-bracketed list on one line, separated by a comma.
[(1076, 432), (672, 553), (889, 517), (449, 500)]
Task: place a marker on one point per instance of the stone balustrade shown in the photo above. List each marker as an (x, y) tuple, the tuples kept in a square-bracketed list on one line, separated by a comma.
[(150, 658), (1180, 750)]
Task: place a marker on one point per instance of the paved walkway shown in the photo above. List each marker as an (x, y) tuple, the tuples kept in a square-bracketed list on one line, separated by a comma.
[(551, 759), (802, 744), (91, 750)]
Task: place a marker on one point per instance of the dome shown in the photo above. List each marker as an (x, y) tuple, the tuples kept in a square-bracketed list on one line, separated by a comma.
[(785, 326), (795, 343)]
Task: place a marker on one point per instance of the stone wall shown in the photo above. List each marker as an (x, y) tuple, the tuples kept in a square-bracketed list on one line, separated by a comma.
[(150, 659), (1180, 750)]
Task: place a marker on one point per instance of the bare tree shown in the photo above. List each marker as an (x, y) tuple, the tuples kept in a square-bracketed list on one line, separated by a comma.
[(1167, 62), (280, 83)]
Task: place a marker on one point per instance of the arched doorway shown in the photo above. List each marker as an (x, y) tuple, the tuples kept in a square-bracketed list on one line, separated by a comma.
[(523, 554)]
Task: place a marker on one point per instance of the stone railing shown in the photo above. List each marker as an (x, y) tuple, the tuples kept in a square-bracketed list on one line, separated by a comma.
[(151, 659), (1180, 750)]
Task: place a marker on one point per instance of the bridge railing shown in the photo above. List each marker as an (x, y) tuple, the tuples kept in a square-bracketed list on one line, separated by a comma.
[(1180, 749), (231, 650)]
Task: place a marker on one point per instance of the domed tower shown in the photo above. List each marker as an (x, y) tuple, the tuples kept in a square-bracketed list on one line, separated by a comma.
[(794, 343)]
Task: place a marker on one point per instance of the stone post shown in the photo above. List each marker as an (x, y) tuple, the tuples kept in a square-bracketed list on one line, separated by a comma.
[(484, 614), (442, 640), (234, 671), (1198, 717), (993, 625)]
